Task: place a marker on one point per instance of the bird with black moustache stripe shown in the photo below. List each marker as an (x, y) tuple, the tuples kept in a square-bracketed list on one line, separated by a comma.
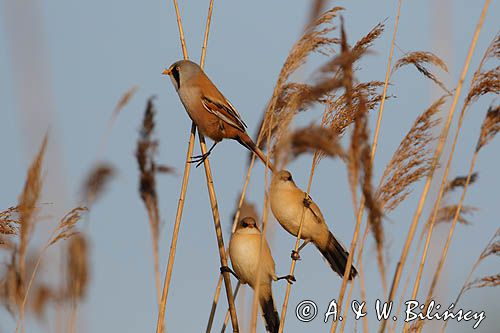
[(212, 113)]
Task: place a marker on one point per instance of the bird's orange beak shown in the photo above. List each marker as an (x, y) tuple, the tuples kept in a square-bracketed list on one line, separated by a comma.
[(166, 71)]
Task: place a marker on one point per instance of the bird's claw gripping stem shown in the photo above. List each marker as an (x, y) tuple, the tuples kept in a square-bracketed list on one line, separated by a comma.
[(199, 159), (226, 269), (289, 278)]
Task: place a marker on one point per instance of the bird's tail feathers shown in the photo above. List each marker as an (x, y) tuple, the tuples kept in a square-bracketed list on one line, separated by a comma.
[(336, 256), (246, 141), (270, 313)]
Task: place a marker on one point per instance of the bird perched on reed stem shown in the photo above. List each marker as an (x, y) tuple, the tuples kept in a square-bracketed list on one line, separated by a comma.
[(288, 203), (212, 113), (244, 249)]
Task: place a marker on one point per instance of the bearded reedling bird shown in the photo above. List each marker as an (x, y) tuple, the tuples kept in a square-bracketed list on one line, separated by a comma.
[(288, 203), (244, 249), (212, 113)]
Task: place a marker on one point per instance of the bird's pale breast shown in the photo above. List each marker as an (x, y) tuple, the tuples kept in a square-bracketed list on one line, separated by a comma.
[(244, 253), (288, 208)]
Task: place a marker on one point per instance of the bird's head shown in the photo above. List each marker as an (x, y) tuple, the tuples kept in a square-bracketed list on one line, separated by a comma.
[(248, 225), (182, 71), (282, 178)]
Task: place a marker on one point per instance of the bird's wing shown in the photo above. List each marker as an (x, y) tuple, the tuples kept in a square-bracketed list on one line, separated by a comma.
[(224, 111), (314, 209), (269, 260)]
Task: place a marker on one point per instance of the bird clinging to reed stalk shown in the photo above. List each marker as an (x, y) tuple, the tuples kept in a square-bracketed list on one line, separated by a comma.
[(244, 249), (212, 113), (288, 203)]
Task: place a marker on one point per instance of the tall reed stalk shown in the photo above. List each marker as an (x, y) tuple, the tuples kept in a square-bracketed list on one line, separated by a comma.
[(359, 261), (442, 187), (218, 230), (180, 206), (314, 164), (215, 300), (492, 248), (28, 202), (372, 158), (436, 158), (187, 169), (265, 213), (456, 215), (213, 199), (235, 222)]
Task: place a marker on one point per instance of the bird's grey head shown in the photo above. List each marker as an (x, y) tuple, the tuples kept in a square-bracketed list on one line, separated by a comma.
[(182, 71)]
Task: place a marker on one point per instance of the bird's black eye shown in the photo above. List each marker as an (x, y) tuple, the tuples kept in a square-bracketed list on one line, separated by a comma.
[(244, 224), (175, 74)]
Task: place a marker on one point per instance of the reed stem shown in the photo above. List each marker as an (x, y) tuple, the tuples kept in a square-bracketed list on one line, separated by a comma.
[(265, 213), (175, 233), (185, 179), (215, 301), (181, 30), (235, 222), (218, 231), (372, 158), (442, 259), (443, 185), (435, 162), (299, 234), (228, 312)]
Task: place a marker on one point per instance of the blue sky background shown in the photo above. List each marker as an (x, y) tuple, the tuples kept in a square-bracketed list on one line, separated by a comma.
[(65, 64)]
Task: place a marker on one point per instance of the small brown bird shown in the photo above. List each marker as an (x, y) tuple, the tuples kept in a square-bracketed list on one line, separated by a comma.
[(244, 249), (212, 113), (288, 203)]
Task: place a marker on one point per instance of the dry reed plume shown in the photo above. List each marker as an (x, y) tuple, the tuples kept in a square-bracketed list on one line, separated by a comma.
[(490, 127), (436, 158), (477, 78), (9, 224), (334, 74), (17, 225), (341, 114), (44, 295), (491, 249), (96, 182), (145, 155), (458, 209), (342, 76), (27, 208), (124, 100), (316, 138), (375, 33), (419, 59), (28, 202), (287, 94), (447, 213), (66, 229), (411, 160), (459, 182), (360, 170)]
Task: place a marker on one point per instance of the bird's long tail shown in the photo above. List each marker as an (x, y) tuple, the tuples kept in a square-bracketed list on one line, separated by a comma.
[(246, 141), (270, 313), (336, 256)]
